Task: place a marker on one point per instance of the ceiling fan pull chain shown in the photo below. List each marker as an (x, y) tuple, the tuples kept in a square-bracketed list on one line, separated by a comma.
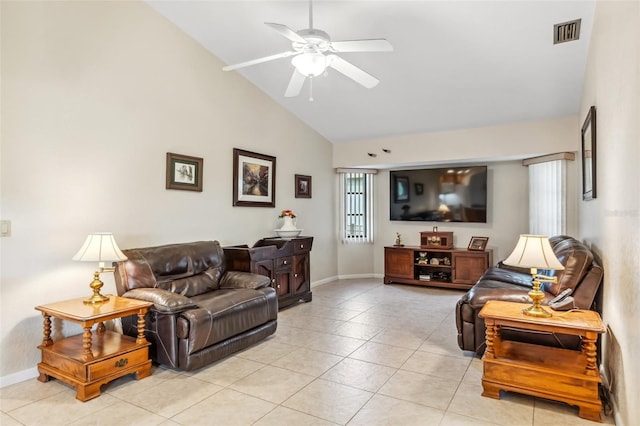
[(310, 89)]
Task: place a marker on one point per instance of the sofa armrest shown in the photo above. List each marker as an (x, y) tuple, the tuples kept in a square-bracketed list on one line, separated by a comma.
[(237, 279), (163, 300)]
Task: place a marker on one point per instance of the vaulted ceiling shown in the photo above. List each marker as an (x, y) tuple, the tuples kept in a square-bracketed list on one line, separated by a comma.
[(455, 64)]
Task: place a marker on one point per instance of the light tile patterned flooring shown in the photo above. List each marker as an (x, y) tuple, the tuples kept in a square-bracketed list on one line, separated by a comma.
[(362, 353)]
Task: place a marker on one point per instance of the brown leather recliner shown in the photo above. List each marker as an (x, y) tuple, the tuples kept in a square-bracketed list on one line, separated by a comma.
[(501, 282), (201, 311)]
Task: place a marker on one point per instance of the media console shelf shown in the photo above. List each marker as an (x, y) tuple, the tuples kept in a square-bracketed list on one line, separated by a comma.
[(450, 268)]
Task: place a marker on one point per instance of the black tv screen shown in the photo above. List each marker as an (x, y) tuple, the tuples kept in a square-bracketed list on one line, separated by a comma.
[(452, 194)]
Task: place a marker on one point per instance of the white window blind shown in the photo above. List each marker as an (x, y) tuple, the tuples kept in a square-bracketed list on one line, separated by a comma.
[(356, 223), (547, 198)]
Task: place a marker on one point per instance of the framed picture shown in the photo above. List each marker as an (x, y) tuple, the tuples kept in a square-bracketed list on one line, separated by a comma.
[(401, 189), (478, 243), (184, 172), (419, 188), (589, 156), (303, 186), (254, 179)]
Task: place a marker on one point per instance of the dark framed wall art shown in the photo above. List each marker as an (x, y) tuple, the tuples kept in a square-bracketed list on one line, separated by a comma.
[(254, 179), (184, 172), (589, 156), (303, 186)]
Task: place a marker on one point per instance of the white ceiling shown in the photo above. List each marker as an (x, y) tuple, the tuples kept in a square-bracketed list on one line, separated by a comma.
[(456, 64)]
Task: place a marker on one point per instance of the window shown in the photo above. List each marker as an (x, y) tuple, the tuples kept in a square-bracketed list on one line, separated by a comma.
[(356, 223), (548, 195)]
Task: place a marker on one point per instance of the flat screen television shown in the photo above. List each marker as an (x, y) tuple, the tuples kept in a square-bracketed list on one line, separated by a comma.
[(451, 194)]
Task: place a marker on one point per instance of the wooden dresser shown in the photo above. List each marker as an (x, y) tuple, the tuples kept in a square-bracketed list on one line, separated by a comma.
[(284, 260)]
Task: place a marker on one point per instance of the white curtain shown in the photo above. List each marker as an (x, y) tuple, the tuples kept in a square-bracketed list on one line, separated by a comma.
[(547, 198), (356, 206)]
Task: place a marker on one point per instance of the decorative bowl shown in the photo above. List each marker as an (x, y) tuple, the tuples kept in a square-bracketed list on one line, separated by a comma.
[(290, 233)]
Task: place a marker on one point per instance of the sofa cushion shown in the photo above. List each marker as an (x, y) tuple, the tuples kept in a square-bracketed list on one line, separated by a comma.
[(576, 259), (225, 313), (186, 269)]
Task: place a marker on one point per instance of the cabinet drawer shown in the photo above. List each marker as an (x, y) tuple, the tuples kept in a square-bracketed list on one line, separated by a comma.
[(302, 245), (117, 363), (284, 262)]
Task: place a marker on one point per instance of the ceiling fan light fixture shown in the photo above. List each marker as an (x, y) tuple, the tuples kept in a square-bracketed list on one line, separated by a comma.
[(310, 64)]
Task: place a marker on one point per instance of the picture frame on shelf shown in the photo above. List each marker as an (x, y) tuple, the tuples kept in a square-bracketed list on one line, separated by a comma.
[(303, 186), (254, 179), (478, 243), (184, 172), (401, 189), (588, 135)]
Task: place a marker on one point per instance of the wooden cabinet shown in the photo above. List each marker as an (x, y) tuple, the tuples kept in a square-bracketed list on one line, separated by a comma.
[(284, 260), (453, 268)]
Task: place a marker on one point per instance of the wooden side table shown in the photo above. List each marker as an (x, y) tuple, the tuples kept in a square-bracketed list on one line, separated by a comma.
[(89, 360), (559, 374)]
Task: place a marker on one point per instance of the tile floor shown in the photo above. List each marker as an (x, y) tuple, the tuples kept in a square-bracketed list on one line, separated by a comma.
[(362, 353)]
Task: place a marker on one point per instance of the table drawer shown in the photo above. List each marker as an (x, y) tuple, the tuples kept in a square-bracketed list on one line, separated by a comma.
[(118, 362)]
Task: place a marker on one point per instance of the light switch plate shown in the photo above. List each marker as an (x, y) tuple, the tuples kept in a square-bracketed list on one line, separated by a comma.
[(5, 228)]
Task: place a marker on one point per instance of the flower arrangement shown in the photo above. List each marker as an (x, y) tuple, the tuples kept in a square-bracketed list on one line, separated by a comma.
[(287, 213)]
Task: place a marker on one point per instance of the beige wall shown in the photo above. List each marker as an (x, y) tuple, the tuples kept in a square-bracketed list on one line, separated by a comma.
[(94, 94), (508, 141), (508, 197), (611, 223)]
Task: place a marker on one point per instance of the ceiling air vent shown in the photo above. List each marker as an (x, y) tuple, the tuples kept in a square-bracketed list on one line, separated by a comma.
[(567, 31)]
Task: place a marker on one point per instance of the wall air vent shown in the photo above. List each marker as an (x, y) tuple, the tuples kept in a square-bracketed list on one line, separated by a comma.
[(567, 31)]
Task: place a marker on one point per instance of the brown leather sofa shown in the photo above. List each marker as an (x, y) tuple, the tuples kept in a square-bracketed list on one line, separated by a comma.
[(501, 282), (201, 312)]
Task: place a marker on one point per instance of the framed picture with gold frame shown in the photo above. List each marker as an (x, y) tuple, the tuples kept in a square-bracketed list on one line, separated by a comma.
[(478, 243)]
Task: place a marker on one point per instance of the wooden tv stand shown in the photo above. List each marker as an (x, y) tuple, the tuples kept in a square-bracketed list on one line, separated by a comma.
[(453, 268)]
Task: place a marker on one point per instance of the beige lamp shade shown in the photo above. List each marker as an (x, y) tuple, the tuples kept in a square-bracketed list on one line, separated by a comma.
[(100, 247), (533, 251)]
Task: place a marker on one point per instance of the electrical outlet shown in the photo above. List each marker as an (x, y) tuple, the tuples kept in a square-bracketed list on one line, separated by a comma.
[(5, 228)]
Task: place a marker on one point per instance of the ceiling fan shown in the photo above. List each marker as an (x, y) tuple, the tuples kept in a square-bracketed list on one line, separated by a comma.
[(313, 51)]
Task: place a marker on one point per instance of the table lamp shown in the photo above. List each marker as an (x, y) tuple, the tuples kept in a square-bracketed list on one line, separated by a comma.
[(99, 247), (535, 252)]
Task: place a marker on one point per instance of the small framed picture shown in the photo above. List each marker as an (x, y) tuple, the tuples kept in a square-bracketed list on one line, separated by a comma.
[(184, 172), (478, 243), (419, 188), (254, 179), (303, 186)]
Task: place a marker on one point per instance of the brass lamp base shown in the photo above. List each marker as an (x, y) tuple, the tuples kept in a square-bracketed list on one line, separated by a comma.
[(96, 285), (536, 310)]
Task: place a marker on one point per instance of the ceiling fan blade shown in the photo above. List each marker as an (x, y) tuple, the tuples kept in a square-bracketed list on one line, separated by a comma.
[(295, 84), (287, 32), (258, 61), (353, 72), (373, 45)]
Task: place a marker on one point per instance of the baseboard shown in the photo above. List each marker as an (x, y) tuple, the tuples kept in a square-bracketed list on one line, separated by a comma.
[(18, 377), (324, 281), (345, 277), (606, 388)]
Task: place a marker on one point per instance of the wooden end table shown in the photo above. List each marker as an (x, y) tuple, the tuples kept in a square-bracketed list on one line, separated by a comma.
[(559, 374), (89, 360)]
